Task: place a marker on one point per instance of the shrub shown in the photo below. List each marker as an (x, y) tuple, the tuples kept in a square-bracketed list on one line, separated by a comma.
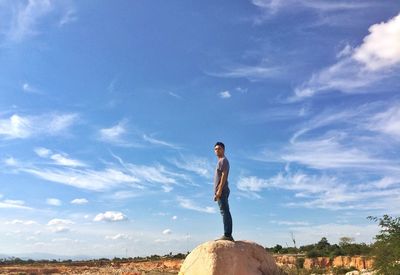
[(386, 249)]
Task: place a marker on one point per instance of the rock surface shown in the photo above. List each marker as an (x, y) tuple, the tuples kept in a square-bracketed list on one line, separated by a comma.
[(229, 258)]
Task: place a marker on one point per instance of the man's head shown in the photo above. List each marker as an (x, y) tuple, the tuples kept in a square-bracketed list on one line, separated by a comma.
[(219, 149)]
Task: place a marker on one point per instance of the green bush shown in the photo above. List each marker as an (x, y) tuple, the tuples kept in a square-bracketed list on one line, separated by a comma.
[(386, 249)]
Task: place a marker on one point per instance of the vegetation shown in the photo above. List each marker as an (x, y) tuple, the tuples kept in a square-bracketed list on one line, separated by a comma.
[(386, 249), (323, 248)]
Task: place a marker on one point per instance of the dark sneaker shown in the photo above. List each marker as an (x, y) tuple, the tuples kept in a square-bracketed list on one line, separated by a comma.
[(226, 238)]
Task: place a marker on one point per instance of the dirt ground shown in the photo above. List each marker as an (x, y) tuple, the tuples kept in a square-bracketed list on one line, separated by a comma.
[(167, 267)]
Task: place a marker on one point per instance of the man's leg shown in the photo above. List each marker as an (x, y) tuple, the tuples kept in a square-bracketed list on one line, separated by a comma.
[(225, 212)]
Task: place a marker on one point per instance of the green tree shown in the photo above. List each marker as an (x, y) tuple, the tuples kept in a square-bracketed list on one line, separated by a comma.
[(386, 249)]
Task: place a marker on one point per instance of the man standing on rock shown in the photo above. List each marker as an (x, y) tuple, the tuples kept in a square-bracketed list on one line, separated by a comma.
[(221, 190)]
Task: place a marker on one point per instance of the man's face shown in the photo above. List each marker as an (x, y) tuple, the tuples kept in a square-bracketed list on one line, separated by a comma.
[(219, 151)]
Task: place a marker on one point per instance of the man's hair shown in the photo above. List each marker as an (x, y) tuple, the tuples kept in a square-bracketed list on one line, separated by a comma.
[(220, 144)]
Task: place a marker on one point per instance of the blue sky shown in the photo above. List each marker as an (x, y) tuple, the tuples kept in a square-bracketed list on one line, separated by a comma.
[(109, 112)]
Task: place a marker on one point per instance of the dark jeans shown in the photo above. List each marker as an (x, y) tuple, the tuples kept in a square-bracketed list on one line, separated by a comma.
[(226, 214)]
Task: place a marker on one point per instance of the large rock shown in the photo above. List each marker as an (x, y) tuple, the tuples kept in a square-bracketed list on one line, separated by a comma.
[(229, 258)]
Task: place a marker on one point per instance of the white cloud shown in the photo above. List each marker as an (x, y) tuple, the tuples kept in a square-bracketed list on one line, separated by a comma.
[(65, 161), (15, 204), (59, 229), (125, 194), (290, 223), (24, 19), (159, 142), (16, 221), (252, 73), (387, 122), (27, 17), (381, 48), (114, 134), (361, 67), (117, 237), (15, 127), (198, 165), (96, 180), (10, 161), (59, 123), (189, 204), (68, 17), (225, 94), (110, 177), (167, 232), (59, 225), (42, 152), (110, 216), (326, 192), (21, 127), (273, 6), (329, 153), (79, 201), (56, 222), (26, 87), (174, 95), (53, 201), (174, 217), (60, 159)]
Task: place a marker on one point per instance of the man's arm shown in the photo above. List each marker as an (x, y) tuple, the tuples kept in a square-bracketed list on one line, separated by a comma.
[(220, 186)]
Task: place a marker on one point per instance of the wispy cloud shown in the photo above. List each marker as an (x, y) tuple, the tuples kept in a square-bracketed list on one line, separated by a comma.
[(113, 175), (341, 160), (27, 222), (189, 204), (175, 95), (96, 180), (329, 153), (273, 6), (22, 127), (69, 16), (326, 192), (26, 19), (79, 201), (28, 88), (387, 122), (65, 161), (159, 142), (118, 237), (375, 59), (13, 204), (201, 166), (252, 73), (59, 159)]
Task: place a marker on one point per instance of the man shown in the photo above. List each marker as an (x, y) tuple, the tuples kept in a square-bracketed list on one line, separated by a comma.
[(221, 190)]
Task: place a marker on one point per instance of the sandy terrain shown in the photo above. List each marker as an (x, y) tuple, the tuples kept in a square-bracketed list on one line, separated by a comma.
[(167, 267)]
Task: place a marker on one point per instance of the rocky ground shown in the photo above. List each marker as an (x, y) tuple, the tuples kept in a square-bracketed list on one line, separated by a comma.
[(170, 266), (167, 267)]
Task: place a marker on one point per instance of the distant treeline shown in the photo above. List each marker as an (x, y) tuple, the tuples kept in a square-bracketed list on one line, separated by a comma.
[(323, 248), (101, 261)]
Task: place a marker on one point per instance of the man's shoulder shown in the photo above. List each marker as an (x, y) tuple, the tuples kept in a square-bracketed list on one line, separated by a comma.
[(223, 162), (223, 159)]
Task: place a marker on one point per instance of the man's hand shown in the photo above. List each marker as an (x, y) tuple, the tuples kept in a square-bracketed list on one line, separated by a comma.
[(218, 195)]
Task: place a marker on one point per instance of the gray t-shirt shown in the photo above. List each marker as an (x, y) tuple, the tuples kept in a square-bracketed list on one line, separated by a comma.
[(222, 166)]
